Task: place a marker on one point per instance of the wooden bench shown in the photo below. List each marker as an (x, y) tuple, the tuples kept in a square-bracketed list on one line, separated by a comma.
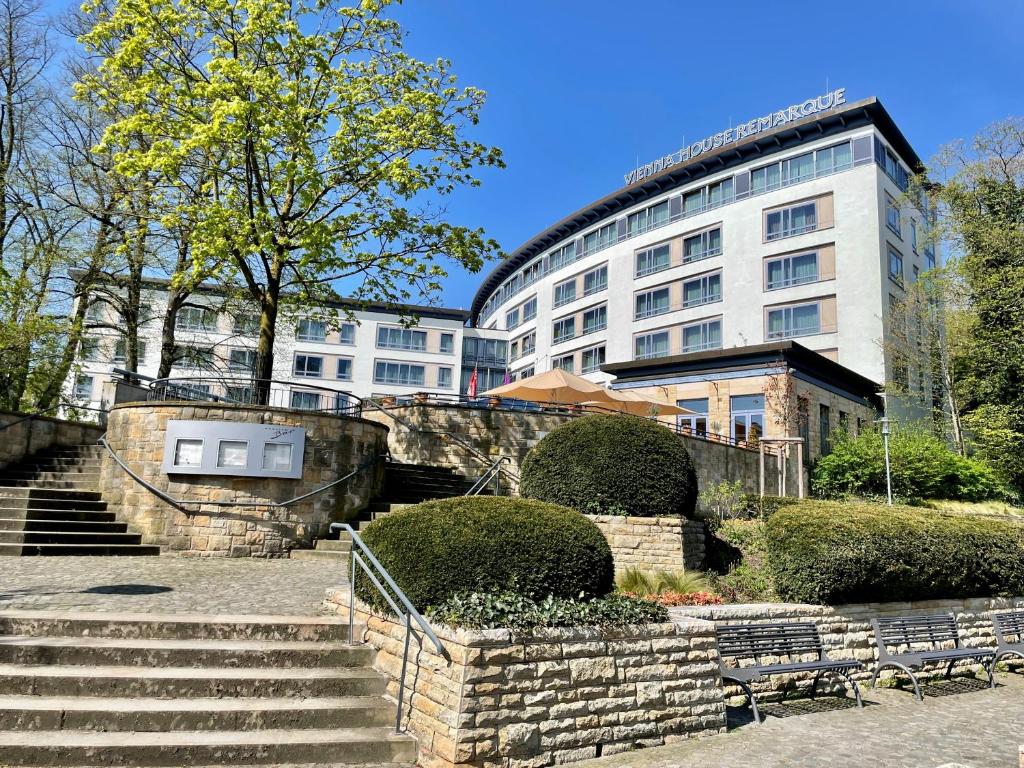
[(1009, 628), (794, 640), (909, 643)]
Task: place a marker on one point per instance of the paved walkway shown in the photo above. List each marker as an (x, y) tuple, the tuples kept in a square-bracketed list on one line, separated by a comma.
[(166, 584), (961, 723)]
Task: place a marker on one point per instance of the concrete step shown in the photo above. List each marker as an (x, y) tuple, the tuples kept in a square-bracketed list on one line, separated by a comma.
[(62, 484), (146, 652), (54, 465), (80, 515), (55, 494), (79, 550), (355, 746), (384, 507), (182, 626), (69, 538), (52, 713), (342, 544), (178, 682), (49, 476), (76, 526), (320, 554)]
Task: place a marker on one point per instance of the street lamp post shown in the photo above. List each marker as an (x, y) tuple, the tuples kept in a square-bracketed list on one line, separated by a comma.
[(888, 473)]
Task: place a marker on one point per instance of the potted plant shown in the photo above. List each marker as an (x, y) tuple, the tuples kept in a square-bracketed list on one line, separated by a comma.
[(420, 398)]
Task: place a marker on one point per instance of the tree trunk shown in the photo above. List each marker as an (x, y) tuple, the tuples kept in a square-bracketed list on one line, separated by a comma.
[(264, 368)]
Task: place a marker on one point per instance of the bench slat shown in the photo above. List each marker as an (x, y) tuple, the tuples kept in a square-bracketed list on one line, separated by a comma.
[(1009, 626), (910, 630)]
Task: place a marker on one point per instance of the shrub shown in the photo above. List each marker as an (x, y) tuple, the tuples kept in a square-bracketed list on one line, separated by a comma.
[(649, 583), (828, 552), (479, 610), (923, 467), (736, 553), (447, 547), (612, 464), (670, 599)]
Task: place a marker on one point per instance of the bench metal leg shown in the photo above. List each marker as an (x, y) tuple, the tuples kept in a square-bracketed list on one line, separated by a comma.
[(991, 669), (949, 668), (750, 695), (913, 679), (853, 685), (814, 685)]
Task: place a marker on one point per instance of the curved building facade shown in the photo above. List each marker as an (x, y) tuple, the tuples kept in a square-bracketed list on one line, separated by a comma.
[(797, 230)]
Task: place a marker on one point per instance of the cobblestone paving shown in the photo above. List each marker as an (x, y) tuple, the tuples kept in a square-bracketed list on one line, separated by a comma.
[(961, 722), (167, 584)]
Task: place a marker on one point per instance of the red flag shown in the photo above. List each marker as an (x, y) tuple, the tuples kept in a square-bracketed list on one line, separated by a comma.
[(472, 383)]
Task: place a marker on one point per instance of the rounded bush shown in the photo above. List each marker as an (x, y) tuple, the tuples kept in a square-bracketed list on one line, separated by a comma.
[(831, 553), (441, 549), (612, 464)]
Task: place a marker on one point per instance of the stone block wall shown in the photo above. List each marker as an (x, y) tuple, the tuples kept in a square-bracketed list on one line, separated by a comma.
[(21, 437), (549, 696), (335, 445), (653, 543), (494, 432)]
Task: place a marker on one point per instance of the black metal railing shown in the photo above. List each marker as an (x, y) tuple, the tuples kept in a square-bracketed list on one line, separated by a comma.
[(268, 393)]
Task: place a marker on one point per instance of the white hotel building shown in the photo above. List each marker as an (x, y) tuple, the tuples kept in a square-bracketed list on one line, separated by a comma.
[(798, 230)]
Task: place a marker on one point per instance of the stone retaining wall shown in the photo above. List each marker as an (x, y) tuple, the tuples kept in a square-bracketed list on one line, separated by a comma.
[(335, 445), (846, 629), (494, 432), (27, 436), (510, 700), (653, 543)]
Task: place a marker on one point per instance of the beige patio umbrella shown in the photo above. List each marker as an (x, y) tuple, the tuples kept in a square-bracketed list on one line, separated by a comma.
[(639, 405), (554, 386)]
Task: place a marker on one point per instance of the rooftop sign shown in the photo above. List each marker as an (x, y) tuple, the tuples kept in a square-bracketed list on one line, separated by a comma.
[(830, 100)]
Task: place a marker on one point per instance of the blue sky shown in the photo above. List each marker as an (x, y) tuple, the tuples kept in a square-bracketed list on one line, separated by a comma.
[(578, 91)]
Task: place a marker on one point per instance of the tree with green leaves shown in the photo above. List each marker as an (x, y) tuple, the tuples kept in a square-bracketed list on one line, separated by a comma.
[(323, 148)]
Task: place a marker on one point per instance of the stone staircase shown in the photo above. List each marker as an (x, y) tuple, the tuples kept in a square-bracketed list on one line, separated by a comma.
[(404, 484), (50, 505), (146, 690)]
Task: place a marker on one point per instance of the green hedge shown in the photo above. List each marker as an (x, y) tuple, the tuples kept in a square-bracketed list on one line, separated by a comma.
[(441, 549), (612, 464), (832, 553)]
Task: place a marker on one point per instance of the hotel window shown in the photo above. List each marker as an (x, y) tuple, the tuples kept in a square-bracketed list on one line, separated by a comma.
[(892, 167), (529, 343), (832, 159), (599, 238), (720, 193), (693, 202), (565, 292), (305, 401), (311, 330), (121, 350), (530, 310), (702, 336), (195, 319), (844, 422), (892, 215), (309, 365), (791, 270), (447, 343), (532, 273), (565, 363), (559, 257), (788, 222), (96, 312), (242, 360), (592, 359), (595, 319), (563, 330), (695, 423), (512, 319), (765, 179), (344, 370), (651, 345), (917, 273), (200, 358), (798, 320), (347, 333), (913, 235), (825, 429), (797, 169), (929, 257), (703, 245), (652, 260), (526, 372), (245, 325), (747, 413), (649, 218), (702, 290), (595, 280), (895, 265), (651, 303), (403, 374), (401, 338), (513, 351), (444, 378), (83, 388)]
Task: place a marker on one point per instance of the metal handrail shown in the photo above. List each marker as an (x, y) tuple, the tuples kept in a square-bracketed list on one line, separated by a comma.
[(199, 389), (492, 471), (408, 615), (179, 504)]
